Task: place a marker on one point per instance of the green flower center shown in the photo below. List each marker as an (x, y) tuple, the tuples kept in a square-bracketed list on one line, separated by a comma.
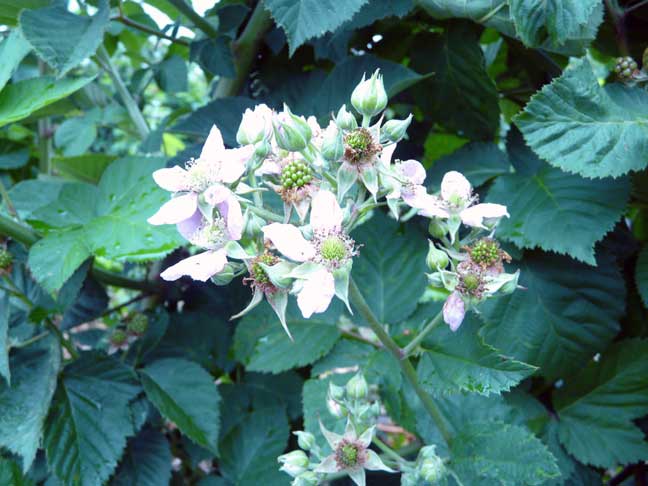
[(258, 273), (138, 323), (349, 455), (199, 175), (295, 175), (333, 248), (485, 252), (471, 282), (359, 140)]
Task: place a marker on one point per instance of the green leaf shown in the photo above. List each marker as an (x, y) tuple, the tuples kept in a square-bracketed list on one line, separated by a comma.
[(390, 256), (24, 404), (261, 342), (61, 38), (90, 420), (12, 51), (10, 9), (559, 212), (304, 19), (171, 74), (11, 475), (75, 136), (314, 396), (54, 258), (4, 334), (460, 93), (84, 168), (214, 56), (568, 312), (461, 361), (641, 275), (147, 461), (579, 126), (249, 451), (14, 160), (21, 99), (508, 454), (596, 408), (186, 395)]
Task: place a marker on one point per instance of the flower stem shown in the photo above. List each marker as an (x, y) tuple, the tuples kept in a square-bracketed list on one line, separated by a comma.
[(264, 213), (405, 364), (32, 340), (436, 320), (388, 450)]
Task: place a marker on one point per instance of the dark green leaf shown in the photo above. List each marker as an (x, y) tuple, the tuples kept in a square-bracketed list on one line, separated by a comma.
[(214, 56), (172, 74), (147, 461)]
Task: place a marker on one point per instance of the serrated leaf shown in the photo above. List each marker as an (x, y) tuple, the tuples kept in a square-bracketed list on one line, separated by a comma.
[(11, 475), (461, 361), (304, 19), (559, 212), (12, 51), (249, 451), (581, 127), (147, 461), (214, 56), (641, 275), (186, 395), (24, 404), (21, 99), (89, 420), (596, 408), (84, 168), (508, 454), (63, 39), (261, 342), (388, 258), (568, 312)]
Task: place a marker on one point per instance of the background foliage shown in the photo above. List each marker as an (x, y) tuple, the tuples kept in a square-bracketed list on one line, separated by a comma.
[(546, 386)]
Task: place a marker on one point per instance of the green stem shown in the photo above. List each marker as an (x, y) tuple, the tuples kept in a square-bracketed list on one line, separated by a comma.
[(436, 320), (64, 342), (264, 213), (28, 237), (144, 28), (405, 364), (32, 340), (4, 194), (486, 17), (256, 195), (130, 104), (245, 49), (198, 21), (389, 452)]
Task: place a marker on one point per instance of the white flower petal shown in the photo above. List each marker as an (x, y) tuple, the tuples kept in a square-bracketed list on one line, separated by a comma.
[(327, 466), (214, 147), (325, 213), (386, 155), (176, 210), (234, 163), (289, 241), (188, 227), (455, 184), (367, 436), (374, 462), (173, 179), (413, 171), (316, 293), (358, 476), (454, 311), (475, 215), (332, 438), (269, 167), (199, 267)]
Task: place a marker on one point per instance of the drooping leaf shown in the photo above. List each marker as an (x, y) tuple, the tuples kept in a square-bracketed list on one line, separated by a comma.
[(568, 312), (249, 451), (63, 39), (579, 126), (261, 342), (388, 270), (187, 395), (507, 454), (89, 421), (461, 361), (24, 404), (21, 99), (12, 51), (147, 461), (596, 408), (304, 19)]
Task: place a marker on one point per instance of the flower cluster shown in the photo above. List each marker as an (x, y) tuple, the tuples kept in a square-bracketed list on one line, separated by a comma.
[(326, 180)]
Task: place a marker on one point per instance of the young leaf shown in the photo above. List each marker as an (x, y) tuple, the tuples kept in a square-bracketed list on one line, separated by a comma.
[(147, 461), (579, 126), (187, 395), (89, 421), (596, 407), (24, 404)]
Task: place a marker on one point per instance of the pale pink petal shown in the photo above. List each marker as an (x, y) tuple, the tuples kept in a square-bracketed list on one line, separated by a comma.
[(199, 267), (189, 226), (176, 210), (230, 209), (386, 155), (326, 213), (269, 167), (289, 241), (234, 163), (173, 179), (454, 311), (428, 205), (316, 293), (214, 147), (455, 184), (328, 465), (413, 171), (475, 215)]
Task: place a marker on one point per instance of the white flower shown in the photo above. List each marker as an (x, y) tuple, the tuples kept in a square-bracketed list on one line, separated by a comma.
[(256, 125), (454, 311)]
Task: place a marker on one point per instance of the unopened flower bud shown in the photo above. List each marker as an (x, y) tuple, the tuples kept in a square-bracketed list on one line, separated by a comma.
[(433, 469), (118, 337), (332, 144), (345, 120), (262, 149), (437, 229), (357, 387), (436, 259), (336, 409), (294, 463), (435, 279), (370, 98), (292, 132), (308, 478), (138, 324), (305, 440), (255, 125), (225, 276), (395, 130), (6, 259), (454, 311), (336, 392), (411, 478)]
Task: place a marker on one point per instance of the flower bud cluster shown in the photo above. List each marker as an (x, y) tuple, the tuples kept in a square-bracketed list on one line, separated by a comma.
[(429, 469), (627, 69), (121, 337), (354, 401)]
